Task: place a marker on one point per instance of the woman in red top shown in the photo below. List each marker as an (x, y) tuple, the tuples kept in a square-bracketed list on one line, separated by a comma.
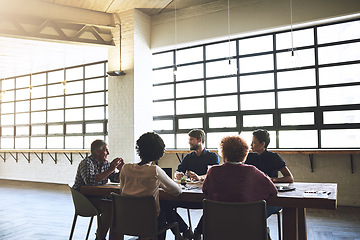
[(235, 181)]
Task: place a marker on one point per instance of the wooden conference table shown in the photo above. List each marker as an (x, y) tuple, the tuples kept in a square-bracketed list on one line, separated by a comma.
[(294, 202)]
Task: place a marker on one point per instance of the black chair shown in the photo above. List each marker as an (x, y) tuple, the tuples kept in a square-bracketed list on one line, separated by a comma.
[(230, 220), (137, 216), (83, 208)]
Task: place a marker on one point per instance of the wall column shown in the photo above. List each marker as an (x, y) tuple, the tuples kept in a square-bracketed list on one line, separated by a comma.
[(130, 97)]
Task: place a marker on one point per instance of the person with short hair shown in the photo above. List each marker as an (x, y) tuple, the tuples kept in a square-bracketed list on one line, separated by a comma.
[(144, 178), (195, 166), (97, 170)]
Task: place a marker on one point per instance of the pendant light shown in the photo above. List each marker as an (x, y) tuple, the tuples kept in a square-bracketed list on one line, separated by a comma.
[(175, 36), (294, 59), (118, 72)]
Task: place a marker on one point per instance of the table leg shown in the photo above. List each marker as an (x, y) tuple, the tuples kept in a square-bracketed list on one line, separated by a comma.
[(290, 224), (302, 223)]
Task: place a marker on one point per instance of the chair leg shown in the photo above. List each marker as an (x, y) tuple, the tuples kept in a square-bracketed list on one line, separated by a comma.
[(189, 217), (279, 224), (98, 231), (88, 231), (73, 227)]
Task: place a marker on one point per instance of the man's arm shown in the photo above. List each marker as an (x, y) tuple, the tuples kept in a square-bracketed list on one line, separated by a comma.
[(287, 176), (113, 165)]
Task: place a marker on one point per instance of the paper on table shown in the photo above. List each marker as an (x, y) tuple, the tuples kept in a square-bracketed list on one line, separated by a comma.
[(316, 194)]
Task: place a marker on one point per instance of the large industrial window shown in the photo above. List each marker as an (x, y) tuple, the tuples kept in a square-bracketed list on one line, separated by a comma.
[(236, 86), (57, 109)]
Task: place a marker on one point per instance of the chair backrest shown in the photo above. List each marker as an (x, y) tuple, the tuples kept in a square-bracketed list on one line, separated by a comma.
[(83, 206), (133, 215), (229, 220)]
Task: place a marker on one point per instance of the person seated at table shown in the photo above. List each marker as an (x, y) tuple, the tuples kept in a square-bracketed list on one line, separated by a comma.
[(268, 162), (97, 170), (144, 179), (234, 181), (195, 165)]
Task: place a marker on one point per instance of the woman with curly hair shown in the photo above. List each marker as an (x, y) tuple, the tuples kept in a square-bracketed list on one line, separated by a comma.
[(144, 179), (234, 181)]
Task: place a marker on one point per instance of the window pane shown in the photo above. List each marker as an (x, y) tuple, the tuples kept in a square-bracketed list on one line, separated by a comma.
[(190, 106), (57, 76), (7, 119), (189, 55), (7, 143), (163, 125), (74, 73), (190, 72), (55, 116), (7, 96), (339, 74), (38, 92), (222, 122), (94, 113), (163, 92), (7, 107), (7, 131), (163, 75), (38, 79), (257, 82), (7, 84), (38, 130), (22, 143), (57, 102), (345, 138), (342, 117), (299, 78), (222, 104), (55, 129), (22, 94), (257, 63), (162, 59), (256, 45), (258, 120), (55, 90), (74, 87), (221, 68), (339, 53), (213, 139), (23, 106), (39, 117), (298, 139), (340, 95), (168, 140), (294, 119), (222, 85), (299, 98), (94, 127), (55, 142), (39, 104), (190, 89), (73, 128), (300, 38), (90, 139), (94, 84), (338, 32), (73, 142), (22, 118), (220, 50), (301, 58), (73, 101), (182, 140), (95, 70), (163, 108), (190, 123), (74, 114), (38, 142), (22, 130), (23, 82), (257, 101)]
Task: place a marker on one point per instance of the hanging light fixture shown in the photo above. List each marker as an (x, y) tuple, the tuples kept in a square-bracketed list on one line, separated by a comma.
[(294, 60), (231, 67), (118, 72), (175, 36)]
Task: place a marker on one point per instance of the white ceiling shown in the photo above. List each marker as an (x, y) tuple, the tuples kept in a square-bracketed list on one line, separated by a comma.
[(20, 56)]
